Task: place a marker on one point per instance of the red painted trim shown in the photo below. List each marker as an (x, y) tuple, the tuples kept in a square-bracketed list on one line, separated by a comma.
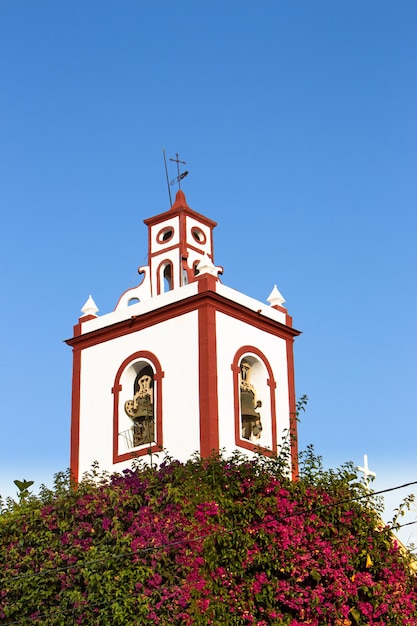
[(282, 309), (85, 318), (164, 229), (141, 270), (75, 414), (203, 240), (190, 271), (183, 211), (193, 272), (78, 328), (191, 246), (206, 296), (243, 443), (183, 236), (153, 255), (207, 358), (158, 376), (206, 283), (183, 252), (150, 251), (293, 409), (212, 245)]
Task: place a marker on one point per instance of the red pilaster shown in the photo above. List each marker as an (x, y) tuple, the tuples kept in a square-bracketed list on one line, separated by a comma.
[(293, 409), (207, 363), (75, 414)]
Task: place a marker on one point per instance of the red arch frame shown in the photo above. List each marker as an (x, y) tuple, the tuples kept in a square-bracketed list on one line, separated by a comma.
[(244, 443), (117, 387), (160, 279)]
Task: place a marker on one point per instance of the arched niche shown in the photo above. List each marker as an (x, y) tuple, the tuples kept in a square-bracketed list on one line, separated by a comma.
[(165, 277), (137, 412), (254, 401)]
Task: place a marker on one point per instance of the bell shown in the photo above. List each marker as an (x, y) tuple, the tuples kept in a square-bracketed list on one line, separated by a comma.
[(246, 405), (144, 407), (143, 432)]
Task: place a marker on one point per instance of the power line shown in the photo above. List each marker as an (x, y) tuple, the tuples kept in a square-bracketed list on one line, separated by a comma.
[(176, 543), (201, 537), (107, 602)]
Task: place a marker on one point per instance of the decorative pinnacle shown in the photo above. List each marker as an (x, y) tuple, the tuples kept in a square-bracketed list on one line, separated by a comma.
[(275, 297), (90, 307), (206, 266)]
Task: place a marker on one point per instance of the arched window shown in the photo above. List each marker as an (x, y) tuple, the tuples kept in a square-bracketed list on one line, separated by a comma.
[(140, 408), (137, 419), (254, 400), (165, 277), (250, 403)]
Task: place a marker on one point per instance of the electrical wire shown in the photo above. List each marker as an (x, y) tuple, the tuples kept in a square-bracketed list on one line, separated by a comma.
[(88, 605), (173, 544), (200, 537)]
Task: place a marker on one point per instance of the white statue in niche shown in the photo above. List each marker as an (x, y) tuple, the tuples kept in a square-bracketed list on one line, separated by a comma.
[(141, 408), (250, 418)]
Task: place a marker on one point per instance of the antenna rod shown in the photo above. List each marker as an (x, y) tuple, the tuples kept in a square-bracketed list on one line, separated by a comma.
[(166, 173)]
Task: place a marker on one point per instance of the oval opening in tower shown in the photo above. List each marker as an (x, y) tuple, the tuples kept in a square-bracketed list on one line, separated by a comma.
[(165, 235), (198, 235)]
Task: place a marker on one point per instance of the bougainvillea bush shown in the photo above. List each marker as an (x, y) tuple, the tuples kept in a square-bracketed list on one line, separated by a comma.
[(214, 541)]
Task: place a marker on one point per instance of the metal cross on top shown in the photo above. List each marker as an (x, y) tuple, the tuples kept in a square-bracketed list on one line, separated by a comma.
[(181, 175), (366, 471)]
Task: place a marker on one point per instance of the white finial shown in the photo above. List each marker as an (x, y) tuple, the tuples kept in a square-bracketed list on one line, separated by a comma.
[(206, 266), (365, 469), (275, 297), (90, 307)]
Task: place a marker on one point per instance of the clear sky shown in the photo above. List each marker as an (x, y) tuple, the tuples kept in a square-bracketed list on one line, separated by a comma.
[(297, 120)]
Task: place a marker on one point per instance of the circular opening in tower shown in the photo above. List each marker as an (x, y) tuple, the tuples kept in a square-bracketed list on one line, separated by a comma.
[(165, 235), (198, 235)]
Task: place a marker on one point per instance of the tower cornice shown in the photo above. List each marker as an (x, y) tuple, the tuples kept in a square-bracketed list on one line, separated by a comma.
[(180, 207), (180, 307)]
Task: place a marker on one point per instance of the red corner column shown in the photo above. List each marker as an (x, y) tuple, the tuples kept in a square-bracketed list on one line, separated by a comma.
[(75, 401), (207, 363)]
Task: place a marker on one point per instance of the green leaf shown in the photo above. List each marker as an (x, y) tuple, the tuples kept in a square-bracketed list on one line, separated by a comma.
[(22, 485), (356, 615), (315, 575)]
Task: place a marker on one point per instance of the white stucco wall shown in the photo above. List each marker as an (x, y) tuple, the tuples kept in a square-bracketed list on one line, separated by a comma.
[(251, 303), (205, 247), (140, 308), (232, 334), (175, 343), (159, 246)]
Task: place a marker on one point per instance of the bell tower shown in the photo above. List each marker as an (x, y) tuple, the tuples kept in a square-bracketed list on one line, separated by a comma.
[(183, 363), (177, 241)]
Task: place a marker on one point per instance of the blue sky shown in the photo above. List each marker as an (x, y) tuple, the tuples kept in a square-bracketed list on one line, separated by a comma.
[(298, 123)]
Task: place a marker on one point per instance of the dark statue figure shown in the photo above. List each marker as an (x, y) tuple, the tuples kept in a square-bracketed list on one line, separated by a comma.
[(141, 408), (251, 419)]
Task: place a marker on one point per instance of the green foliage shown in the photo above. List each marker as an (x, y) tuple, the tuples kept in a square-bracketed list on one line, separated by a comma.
[(212, 541), (23, 486)]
